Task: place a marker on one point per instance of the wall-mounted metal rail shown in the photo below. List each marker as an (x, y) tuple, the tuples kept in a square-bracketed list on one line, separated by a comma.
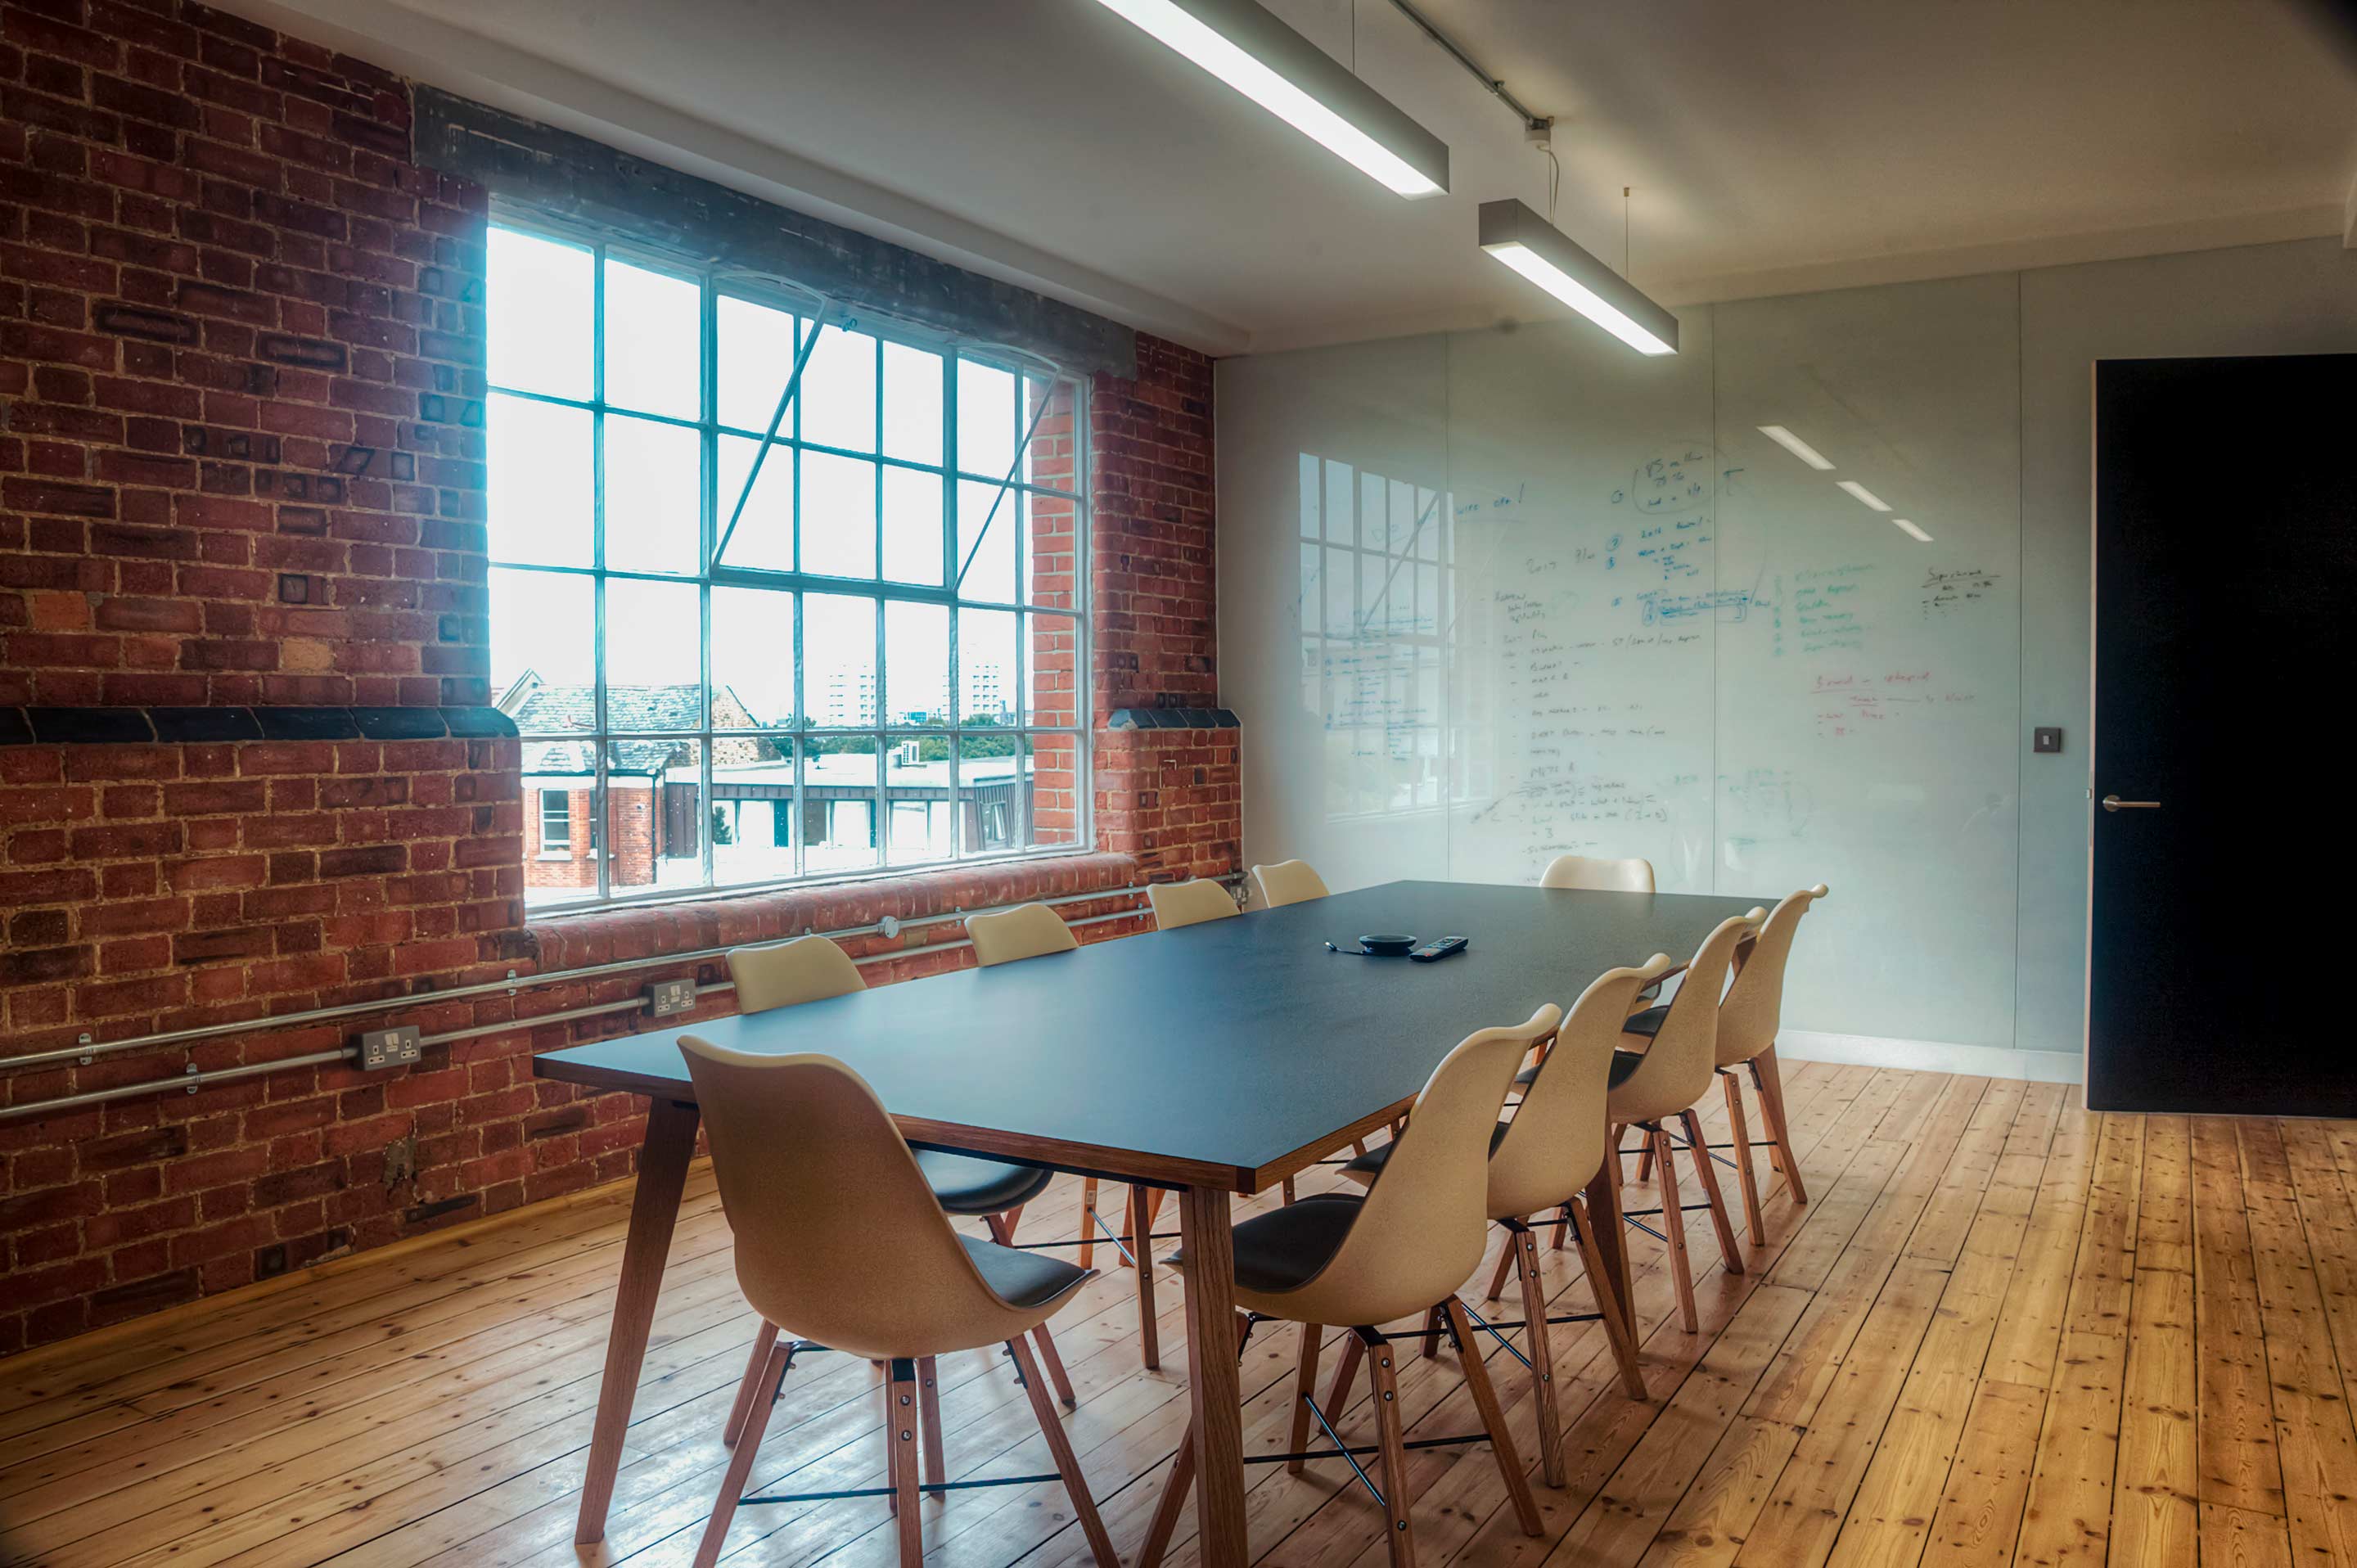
[(194, 1079)]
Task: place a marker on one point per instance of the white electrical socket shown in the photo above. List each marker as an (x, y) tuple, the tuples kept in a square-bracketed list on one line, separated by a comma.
[(390, 1047)]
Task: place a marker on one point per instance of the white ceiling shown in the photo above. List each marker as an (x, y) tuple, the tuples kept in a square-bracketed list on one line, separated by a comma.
[(1799, 144)]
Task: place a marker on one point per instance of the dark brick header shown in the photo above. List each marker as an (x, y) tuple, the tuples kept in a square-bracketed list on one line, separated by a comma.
[(1172, 718), (192, 727)]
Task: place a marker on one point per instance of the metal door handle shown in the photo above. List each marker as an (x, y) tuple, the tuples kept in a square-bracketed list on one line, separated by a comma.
[(2114, 803)]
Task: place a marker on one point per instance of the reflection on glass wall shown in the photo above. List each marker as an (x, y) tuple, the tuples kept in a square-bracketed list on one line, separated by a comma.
[(1374, 586)]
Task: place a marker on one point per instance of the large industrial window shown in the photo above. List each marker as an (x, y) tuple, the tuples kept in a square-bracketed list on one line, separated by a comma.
[(868, 657)]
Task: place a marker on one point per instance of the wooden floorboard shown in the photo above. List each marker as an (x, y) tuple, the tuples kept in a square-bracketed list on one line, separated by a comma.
[(2005, 1331)]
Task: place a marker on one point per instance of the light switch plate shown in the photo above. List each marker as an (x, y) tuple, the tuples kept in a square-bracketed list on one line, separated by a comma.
[(2046, 737), (668, 998), (390, 1047)]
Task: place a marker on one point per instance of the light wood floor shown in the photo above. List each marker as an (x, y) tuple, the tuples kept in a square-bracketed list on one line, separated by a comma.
[(2005, 1331)]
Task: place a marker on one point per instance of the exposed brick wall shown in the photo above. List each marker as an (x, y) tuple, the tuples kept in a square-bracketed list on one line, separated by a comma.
[(241, 336), (240, 359)]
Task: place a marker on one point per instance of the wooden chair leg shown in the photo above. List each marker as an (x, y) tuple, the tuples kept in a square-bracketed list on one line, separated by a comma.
[(1149, 1328), (1304, 1391), (764, 1380), (929, 1412), (1288, 1189), (1730, 1254), (1646, 1161), (1054, 1364), (1524, 1250), (1768, 1079), (1493, 1416), (1746, 1176), (1673, 1232), (1171, 1504), (1613, 1136), (891, 1449), (1618, 1331), (1346, 1372), (1060, 1444), (1506, 1256), (763, 1343), (1383, 1378), (1088, 1221), (1562, 1227), (900, 1431), (1432, 1334)]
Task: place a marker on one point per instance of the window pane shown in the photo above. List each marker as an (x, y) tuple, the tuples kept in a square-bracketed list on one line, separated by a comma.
[(652, 489), (653, 342), (912, 404), (1340, 506), (753, 814), (561, 838), (838, 660), (838, 528), (752, 658), (986, 419), (755, 346), (655, 816), (764, 540), (543, 475), (917, 822), (990, 806), (912, 526), (1052, 764), (987, 669), (1051, 690), (654, 646), (839, 825), (543, 624), (540, 315), (1051, 552), (838, 396), (986, 529), (916, 663), (1052, 673)]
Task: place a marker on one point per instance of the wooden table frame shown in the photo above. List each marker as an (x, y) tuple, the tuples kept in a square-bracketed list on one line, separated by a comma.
[(1467, 993)]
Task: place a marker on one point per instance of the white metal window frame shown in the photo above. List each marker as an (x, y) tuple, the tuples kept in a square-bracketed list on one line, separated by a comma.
[(714, 510)]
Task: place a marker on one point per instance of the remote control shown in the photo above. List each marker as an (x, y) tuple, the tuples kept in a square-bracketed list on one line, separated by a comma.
[(1437, 950)]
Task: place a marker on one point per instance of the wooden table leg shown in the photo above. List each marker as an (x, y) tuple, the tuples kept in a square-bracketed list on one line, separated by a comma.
[(1141, 1230), (655, 1210), (1214, 1381), (1604, 1208)]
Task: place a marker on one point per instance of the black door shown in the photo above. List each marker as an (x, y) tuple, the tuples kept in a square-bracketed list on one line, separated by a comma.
[(2221, 953)]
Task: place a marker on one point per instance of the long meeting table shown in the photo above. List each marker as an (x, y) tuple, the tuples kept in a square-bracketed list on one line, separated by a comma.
[(1215, 1059)]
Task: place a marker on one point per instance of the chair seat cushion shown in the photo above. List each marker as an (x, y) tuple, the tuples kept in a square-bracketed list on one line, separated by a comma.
[(1284, 1249), (964, 1185), (1624, 1063), (1020, 1278), (1368, 1163), (1648, 1023)]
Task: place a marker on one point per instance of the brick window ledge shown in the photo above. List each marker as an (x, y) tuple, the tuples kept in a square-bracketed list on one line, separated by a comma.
[(609, 935)]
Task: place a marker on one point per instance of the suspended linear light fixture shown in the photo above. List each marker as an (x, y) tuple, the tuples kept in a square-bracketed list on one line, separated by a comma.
[(1544, 253), (1301, 84)]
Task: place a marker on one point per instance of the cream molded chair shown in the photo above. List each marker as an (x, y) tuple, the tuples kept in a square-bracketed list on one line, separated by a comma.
[(1288, 882), (1748, 1017), (1035, 931), (1358, 1263), (1177, 903), (1663, 1082), (1542, 1160), (811, 1171), (1588, 874), (810, 968), (1027, 931)]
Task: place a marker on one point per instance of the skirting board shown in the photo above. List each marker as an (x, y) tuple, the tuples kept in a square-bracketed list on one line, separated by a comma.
[(1929, 1056)]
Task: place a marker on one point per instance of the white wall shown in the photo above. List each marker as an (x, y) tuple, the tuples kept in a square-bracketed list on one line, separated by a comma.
[(1963, 856)]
